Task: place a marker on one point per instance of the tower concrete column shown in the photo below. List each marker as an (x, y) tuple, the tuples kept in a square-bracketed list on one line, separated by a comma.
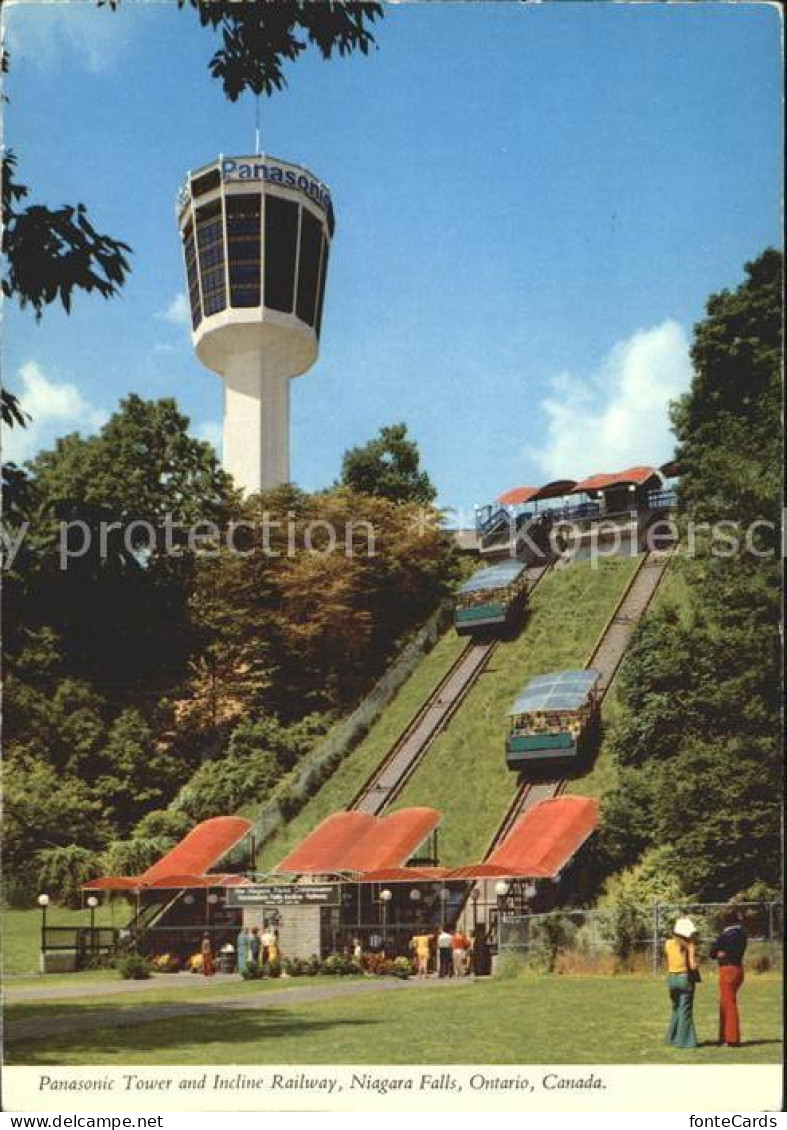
[(256, 422)]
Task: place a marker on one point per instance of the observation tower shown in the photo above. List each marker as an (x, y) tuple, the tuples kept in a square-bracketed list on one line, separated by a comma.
[(256, 234)]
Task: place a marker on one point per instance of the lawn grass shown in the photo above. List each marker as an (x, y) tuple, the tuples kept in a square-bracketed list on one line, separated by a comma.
[(22, 932), (531, 1019), (464, 774), (340, 788)]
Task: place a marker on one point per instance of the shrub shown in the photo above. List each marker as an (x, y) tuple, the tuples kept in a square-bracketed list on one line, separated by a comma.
[(64, 869), (134, 968), (509, 966), (402, 968), (252, 971), (294, 967), (166, 963), (273, 968), (332, 965), (551, 935)]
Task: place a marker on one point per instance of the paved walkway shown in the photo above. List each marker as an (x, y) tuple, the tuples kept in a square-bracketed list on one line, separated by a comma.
[(41, 1027)]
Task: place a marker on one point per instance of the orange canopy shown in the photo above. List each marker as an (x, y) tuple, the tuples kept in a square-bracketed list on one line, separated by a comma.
[(517, 496), (186, 865), (358, 841), (632, 476), (541, 842)]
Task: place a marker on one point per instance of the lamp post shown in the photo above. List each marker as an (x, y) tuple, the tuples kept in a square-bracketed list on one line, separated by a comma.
[(385, 898), (43, 902), (501, 890), (475, 895), (92, 902)]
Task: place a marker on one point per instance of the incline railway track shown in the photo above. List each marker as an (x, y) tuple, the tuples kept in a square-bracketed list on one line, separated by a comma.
[(396, 768), (606, 656)]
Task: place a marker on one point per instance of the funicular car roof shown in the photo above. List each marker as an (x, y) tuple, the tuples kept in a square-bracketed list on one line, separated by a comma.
[(557, 691), (493, 577)]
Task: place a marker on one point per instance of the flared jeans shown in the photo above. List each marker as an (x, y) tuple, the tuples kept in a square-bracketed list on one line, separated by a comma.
[(681, 1032)]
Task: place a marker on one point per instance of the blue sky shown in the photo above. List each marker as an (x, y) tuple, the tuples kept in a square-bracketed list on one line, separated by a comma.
[(533, 204)]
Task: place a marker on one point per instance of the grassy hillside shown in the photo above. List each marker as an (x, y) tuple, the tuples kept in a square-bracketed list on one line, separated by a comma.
[(339, 790), (567, 612), (464, 773)]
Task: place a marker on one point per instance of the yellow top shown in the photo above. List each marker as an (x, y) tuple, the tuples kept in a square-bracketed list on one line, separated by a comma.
[(420, 943), (680, 956)]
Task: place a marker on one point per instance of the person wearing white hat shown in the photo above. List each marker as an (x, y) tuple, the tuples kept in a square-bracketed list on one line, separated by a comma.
[(682, 977)]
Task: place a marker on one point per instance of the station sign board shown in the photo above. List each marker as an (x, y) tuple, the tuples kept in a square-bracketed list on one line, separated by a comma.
[(260, 894)]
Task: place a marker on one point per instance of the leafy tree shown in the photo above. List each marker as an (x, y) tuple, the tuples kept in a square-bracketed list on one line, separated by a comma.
[(120, 496), (388, 466), (258, 38), (698, 741), (50, 253), (62, 871)]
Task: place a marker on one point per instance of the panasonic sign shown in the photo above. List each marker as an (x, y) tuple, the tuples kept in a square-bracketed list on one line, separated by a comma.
[(272, 172)]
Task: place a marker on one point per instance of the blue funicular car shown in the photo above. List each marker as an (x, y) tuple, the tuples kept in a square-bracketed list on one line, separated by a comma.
[(555, 719), (493, 599)]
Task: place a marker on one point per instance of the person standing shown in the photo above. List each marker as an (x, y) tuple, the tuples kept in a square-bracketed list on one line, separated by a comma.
[(682, 977), (267, 940), (243, 945), (444, 948), (728, 950), (274, 953), (254, 947), (460, 944), (420, 943), (207, 956)]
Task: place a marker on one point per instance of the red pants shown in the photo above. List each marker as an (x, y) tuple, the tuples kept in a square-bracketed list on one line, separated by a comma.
[(730, 980), (207, 965)]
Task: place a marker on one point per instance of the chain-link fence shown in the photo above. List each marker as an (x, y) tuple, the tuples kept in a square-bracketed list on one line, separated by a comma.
[(632, 938)]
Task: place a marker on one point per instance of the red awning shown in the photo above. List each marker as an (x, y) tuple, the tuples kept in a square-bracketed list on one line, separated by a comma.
[(632, 476), (406, 875), (517, 496), (329, 842), (556, 489), (360, 842), (201, 849), (541, 842)]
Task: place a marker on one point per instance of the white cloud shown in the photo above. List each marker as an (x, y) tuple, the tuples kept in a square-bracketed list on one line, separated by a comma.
[(211, 432), (177, 312), (55, 410), (617, 417), (85, 36)]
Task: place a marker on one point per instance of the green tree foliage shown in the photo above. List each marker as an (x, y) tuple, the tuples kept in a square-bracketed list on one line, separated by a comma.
[(112, 500), (698, 743), (50, 253), (63, 870), (259, 38), (388, 466)]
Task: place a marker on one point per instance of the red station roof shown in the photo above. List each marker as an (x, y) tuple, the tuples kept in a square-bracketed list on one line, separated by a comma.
[(632, 476), (357, 841), (541, 842), (517, 496), (556, 489), (187, 863)]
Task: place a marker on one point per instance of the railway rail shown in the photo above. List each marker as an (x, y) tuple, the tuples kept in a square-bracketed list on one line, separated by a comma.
[(606, 655), (391, 775)]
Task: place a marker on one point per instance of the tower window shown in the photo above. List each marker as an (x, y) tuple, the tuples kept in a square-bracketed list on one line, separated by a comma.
[(308, 266), (281, 235), (244, 220)]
